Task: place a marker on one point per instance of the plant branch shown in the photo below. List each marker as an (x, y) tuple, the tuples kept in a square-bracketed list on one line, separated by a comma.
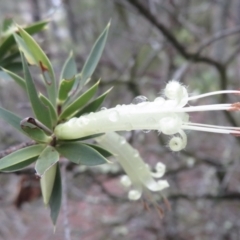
[(15, 148)]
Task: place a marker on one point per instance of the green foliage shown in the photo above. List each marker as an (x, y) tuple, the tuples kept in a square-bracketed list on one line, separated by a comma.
[(9, 54), (56, 196), (48, 157), (79, 102), (20, 156), (94, 56), (63, 101), (31, 128), (80, 153)]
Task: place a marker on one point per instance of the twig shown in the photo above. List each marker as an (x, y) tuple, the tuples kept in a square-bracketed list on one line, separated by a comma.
[(195, 57), (217, 36), (222, 197), (232, 56)]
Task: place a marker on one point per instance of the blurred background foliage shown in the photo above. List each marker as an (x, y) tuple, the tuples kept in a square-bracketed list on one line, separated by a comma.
[(150, 42)]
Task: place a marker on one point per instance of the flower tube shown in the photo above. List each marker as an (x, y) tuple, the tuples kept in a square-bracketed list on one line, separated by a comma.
[(168, 115), (139, 177)]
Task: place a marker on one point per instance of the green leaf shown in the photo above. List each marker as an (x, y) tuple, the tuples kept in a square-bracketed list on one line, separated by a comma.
[(33, 131), (40, 111), (69, 68), (14, 66), (24, 48), (56, 197), (19, 80), (10, 58), (94, 105), (80, 153), (48, 157), (20, 165), (43, 62), (20, 156), (11, 118), (51, 109), (83, 138), (101, 150), (79, 102), (9, 41), (64, 89), (47, 183), (94, 57)]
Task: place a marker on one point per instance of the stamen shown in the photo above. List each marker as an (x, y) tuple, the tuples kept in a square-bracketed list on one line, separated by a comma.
[(213, 93), (235, 107), (210, 129)]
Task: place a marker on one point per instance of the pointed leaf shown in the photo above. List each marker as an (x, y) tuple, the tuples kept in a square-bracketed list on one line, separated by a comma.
[(81, 154), (10, 58), (56, 197), (83, 138), (94, 56), (64, 89), (69, 68), (10, 41), (14, 66), (20, 156), (40, 111), (47, 183), (101, 150), (24, 48), (79, 102), (48, 157), (19, 80), (43, 62), (51, 109), (11, 119), (20, 165), (94, 105), (34, 131)]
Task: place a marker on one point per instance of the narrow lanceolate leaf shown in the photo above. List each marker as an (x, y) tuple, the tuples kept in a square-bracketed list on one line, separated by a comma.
[(94, 105), (101, 150), (14, 66), (83, 138), (64, 89), (9, 41), (47, 183), (48, 157), (43, 62), (80, 153), (56, 196), (69, 68), (34, 131), (20, 156), (40, 111), (10, 58), (50, 107), (20, 165), (24, 49), (94, 56), (11, 118), (79, 102), (19, 80)]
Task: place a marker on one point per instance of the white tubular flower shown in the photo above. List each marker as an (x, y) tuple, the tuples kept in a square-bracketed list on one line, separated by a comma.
[(139, 177), (169, 116)]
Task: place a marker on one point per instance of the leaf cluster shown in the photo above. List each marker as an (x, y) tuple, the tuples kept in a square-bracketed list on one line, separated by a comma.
[(63, 101)]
